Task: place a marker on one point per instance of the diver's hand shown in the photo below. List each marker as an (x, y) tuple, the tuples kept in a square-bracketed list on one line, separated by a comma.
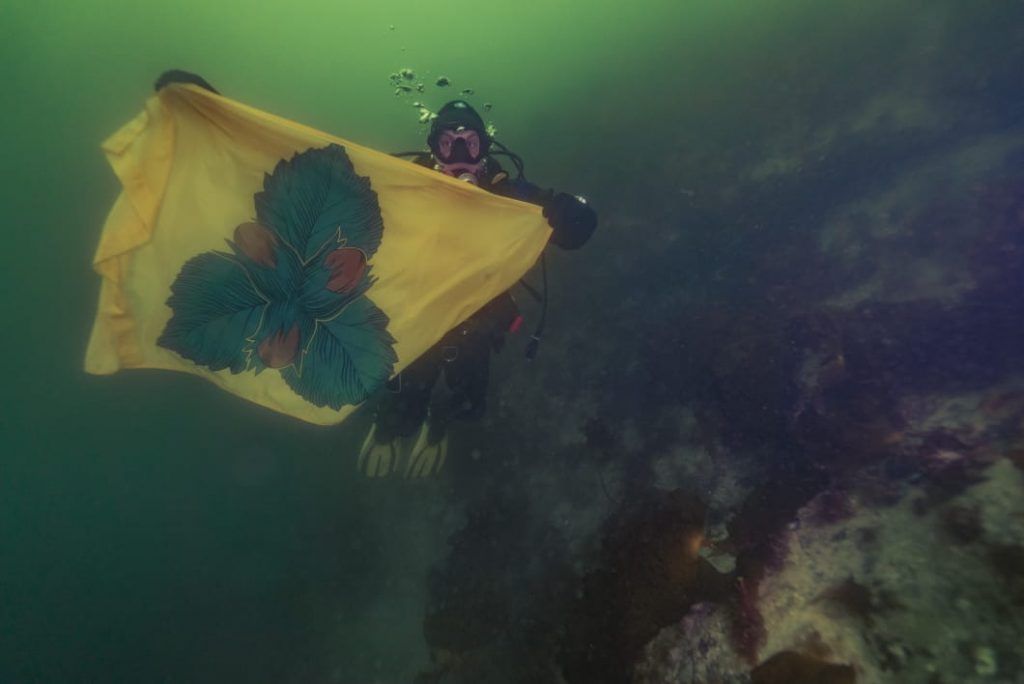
[(179, 76), (571, 218)]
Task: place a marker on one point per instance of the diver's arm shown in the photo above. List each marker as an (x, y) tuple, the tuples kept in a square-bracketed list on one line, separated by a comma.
[(179, 76), (571, 218)]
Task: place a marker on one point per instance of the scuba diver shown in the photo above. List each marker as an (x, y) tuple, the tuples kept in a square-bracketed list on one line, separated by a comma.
[(409, 432)]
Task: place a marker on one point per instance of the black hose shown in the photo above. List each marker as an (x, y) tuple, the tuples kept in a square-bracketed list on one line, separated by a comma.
[(533, 346), (516, 159), (537, 297)]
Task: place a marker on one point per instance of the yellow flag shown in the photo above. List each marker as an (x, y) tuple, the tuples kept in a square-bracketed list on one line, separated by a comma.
[(292, 268)]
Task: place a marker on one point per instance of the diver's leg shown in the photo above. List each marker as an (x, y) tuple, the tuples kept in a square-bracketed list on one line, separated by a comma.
[(465, 358), (401, 414), (468, 377), (403, 408)]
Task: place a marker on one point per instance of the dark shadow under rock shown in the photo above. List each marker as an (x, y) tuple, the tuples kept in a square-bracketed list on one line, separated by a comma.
[(790, 667), (650, 575)]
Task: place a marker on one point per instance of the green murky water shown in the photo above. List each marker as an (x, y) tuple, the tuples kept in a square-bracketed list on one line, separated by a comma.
[(154, 529)]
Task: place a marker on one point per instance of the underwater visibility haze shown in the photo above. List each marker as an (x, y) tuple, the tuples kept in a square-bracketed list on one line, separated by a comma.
[(774, 430)]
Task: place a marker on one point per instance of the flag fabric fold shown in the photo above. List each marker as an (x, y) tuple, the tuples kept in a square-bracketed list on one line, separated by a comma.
[(292, 268)]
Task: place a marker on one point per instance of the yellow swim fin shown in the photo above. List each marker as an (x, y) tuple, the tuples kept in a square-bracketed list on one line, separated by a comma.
[(428, 454), (380, 459)]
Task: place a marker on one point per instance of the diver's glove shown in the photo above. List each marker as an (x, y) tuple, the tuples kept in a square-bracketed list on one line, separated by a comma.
[(179, 76), (571, 218)]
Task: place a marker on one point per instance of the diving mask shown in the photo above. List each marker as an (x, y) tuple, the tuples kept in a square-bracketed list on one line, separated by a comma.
[(459, 146)]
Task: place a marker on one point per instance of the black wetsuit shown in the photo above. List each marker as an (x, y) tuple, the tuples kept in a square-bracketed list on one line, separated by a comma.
[(463, 354)]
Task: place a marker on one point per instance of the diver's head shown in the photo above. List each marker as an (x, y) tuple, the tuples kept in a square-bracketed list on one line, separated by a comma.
[(458, 139)]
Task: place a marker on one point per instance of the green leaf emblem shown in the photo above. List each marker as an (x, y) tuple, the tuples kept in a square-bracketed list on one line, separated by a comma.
[(292, 294)]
